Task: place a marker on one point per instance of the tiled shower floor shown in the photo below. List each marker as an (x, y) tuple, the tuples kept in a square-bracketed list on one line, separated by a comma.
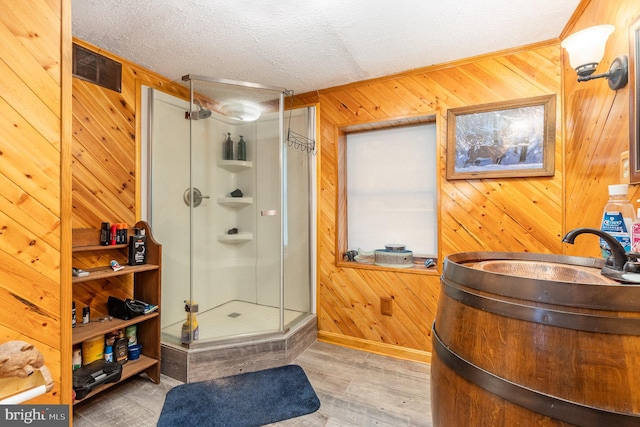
[(233, 318)]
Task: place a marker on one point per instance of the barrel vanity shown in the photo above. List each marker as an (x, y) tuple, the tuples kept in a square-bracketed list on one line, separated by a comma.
[(534, 339)]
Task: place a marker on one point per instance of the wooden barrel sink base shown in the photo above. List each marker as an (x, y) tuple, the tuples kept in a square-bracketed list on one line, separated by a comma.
[(530, 350)]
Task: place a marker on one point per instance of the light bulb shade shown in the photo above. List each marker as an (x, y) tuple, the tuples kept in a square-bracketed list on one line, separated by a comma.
[(586, 48), (242, 110)]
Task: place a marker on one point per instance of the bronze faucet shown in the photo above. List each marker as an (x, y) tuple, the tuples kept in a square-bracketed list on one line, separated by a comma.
[(618, 257)]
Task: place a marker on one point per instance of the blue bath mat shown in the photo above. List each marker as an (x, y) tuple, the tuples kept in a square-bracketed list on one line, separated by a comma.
[(251, 399)]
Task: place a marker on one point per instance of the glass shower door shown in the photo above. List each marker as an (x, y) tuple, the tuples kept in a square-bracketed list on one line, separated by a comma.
[(168, 177), (236, 255), (221, 220)]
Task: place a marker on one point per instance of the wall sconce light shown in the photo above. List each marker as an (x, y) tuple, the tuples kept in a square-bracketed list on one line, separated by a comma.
[(586, 49)]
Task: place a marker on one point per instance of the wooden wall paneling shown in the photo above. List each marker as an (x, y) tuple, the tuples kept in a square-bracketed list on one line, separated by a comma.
[(117, 181), (597, 125), (28, 68), (32, 139), (101, 152), (28, 212), (29, 104), (35, 27), (66, 84), (37, 180), (106, 144), (515, 214)]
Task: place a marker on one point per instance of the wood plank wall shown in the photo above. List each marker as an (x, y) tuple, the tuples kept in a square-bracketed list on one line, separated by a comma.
[(597, 124), (515, 214), (106, 144), (34, 250)]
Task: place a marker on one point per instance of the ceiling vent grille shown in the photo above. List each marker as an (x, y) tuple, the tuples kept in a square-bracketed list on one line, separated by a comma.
[(95, 68)]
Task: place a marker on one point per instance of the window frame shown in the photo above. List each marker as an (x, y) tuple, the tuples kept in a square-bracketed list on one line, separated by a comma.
[(341, 242)]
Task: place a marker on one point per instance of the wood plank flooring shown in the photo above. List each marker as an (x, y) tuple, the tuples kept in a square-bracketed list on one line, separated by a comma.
[(355, 388)]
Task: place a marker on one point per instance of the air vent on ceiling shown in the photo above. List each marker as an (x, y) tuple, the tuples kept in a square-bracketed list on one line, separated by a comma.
[(95, 68)]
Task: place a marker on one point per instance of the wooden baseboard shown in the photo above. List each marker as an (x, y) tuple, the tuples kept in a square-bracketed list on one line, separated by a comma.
[(375, 347)]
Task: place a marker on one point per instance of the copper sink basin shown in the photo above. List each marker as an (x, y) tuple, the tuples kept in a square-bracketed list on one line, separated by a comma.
[(544, 271)]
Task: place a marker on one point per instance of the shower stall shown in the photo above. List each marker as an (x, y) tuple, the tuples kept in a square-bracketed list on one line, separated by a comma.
[(234, 217)]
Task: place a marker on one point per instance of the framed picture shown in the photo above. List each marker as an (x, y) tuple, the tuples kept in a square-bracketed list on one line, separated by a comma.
[(634, 101), (502, 139)]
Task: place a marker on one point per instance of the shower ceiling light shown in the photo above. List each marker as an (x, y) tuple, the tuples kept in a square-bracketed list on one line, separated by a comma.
[(243, 111)]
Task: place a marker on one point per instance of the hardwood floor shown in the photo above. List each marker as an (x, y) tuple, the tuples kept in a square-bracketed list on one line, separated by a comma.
[(355, 388)]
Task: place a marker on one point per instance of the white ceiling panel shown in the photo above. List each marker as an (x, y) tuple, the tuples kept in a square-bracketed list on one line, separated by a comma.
[(311, 44)]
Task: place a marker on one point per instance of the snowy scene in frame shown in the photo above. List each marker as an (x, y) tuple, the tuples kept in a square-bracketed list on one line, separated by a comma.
[(502, 139)]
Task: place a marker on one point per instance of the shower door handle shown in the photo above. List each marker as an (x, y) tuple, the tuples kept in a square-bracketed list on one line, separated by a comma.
[(270, 212)]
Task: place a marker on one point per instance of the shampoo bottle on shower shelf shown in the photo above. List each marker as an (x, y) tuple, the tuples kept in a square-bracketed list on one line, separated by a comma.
[(617, 218), (227, 153), (242, 149), (191, 323)]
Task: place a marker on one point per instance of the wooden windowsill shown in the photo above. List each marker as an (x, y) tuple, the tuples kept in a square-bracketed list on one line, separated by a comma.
[(416, 269)]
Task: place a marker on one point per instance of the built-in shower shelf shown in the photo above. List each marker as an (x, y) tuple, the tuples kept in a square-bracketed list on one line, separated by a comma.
[(235, 202), (235, 238), (235, 165)]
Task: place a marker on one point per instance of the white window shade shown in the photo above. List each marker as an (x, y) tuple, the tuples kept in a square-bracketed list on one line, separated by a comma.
[(391, 189)]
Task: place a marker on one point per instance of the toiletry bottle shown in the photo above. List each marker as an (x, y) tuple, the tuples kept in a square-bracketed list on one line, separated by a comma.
[(130, 333), (76, 360), (122, 233), (114, 231), (108, 353), (617, 218), (105, 234), (242, 149), (227, 153), (120, 350), (191, 322), (635, 233), (137, 247)]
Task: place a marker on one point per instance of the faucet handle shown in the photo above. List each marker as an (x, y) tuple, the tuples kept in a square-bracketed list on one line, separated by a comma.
[(631, 267), (634, 256)]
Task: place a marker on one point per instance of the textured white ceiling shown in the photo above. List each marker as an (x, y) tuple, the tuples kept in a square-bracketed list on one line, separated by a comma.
[(306, 45)]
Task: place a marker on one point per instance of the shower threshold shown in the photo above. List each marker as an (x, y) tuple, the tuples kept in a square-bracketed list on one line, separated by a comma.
[(204, 360), (233, 320)]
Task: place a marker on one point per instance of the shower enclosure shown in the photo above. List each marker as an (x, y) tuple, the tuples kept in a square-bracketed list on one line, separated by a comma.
[(236, 226)]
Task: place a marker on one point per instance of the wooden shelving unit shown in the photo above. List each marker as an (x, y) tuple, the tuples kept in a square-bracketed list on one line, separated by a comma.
[(141, 282)]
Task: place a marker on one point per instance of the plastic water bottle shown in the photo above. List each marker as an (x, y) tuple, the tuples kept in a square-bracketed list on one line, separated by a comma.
[(617, 218), (635, 233)]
